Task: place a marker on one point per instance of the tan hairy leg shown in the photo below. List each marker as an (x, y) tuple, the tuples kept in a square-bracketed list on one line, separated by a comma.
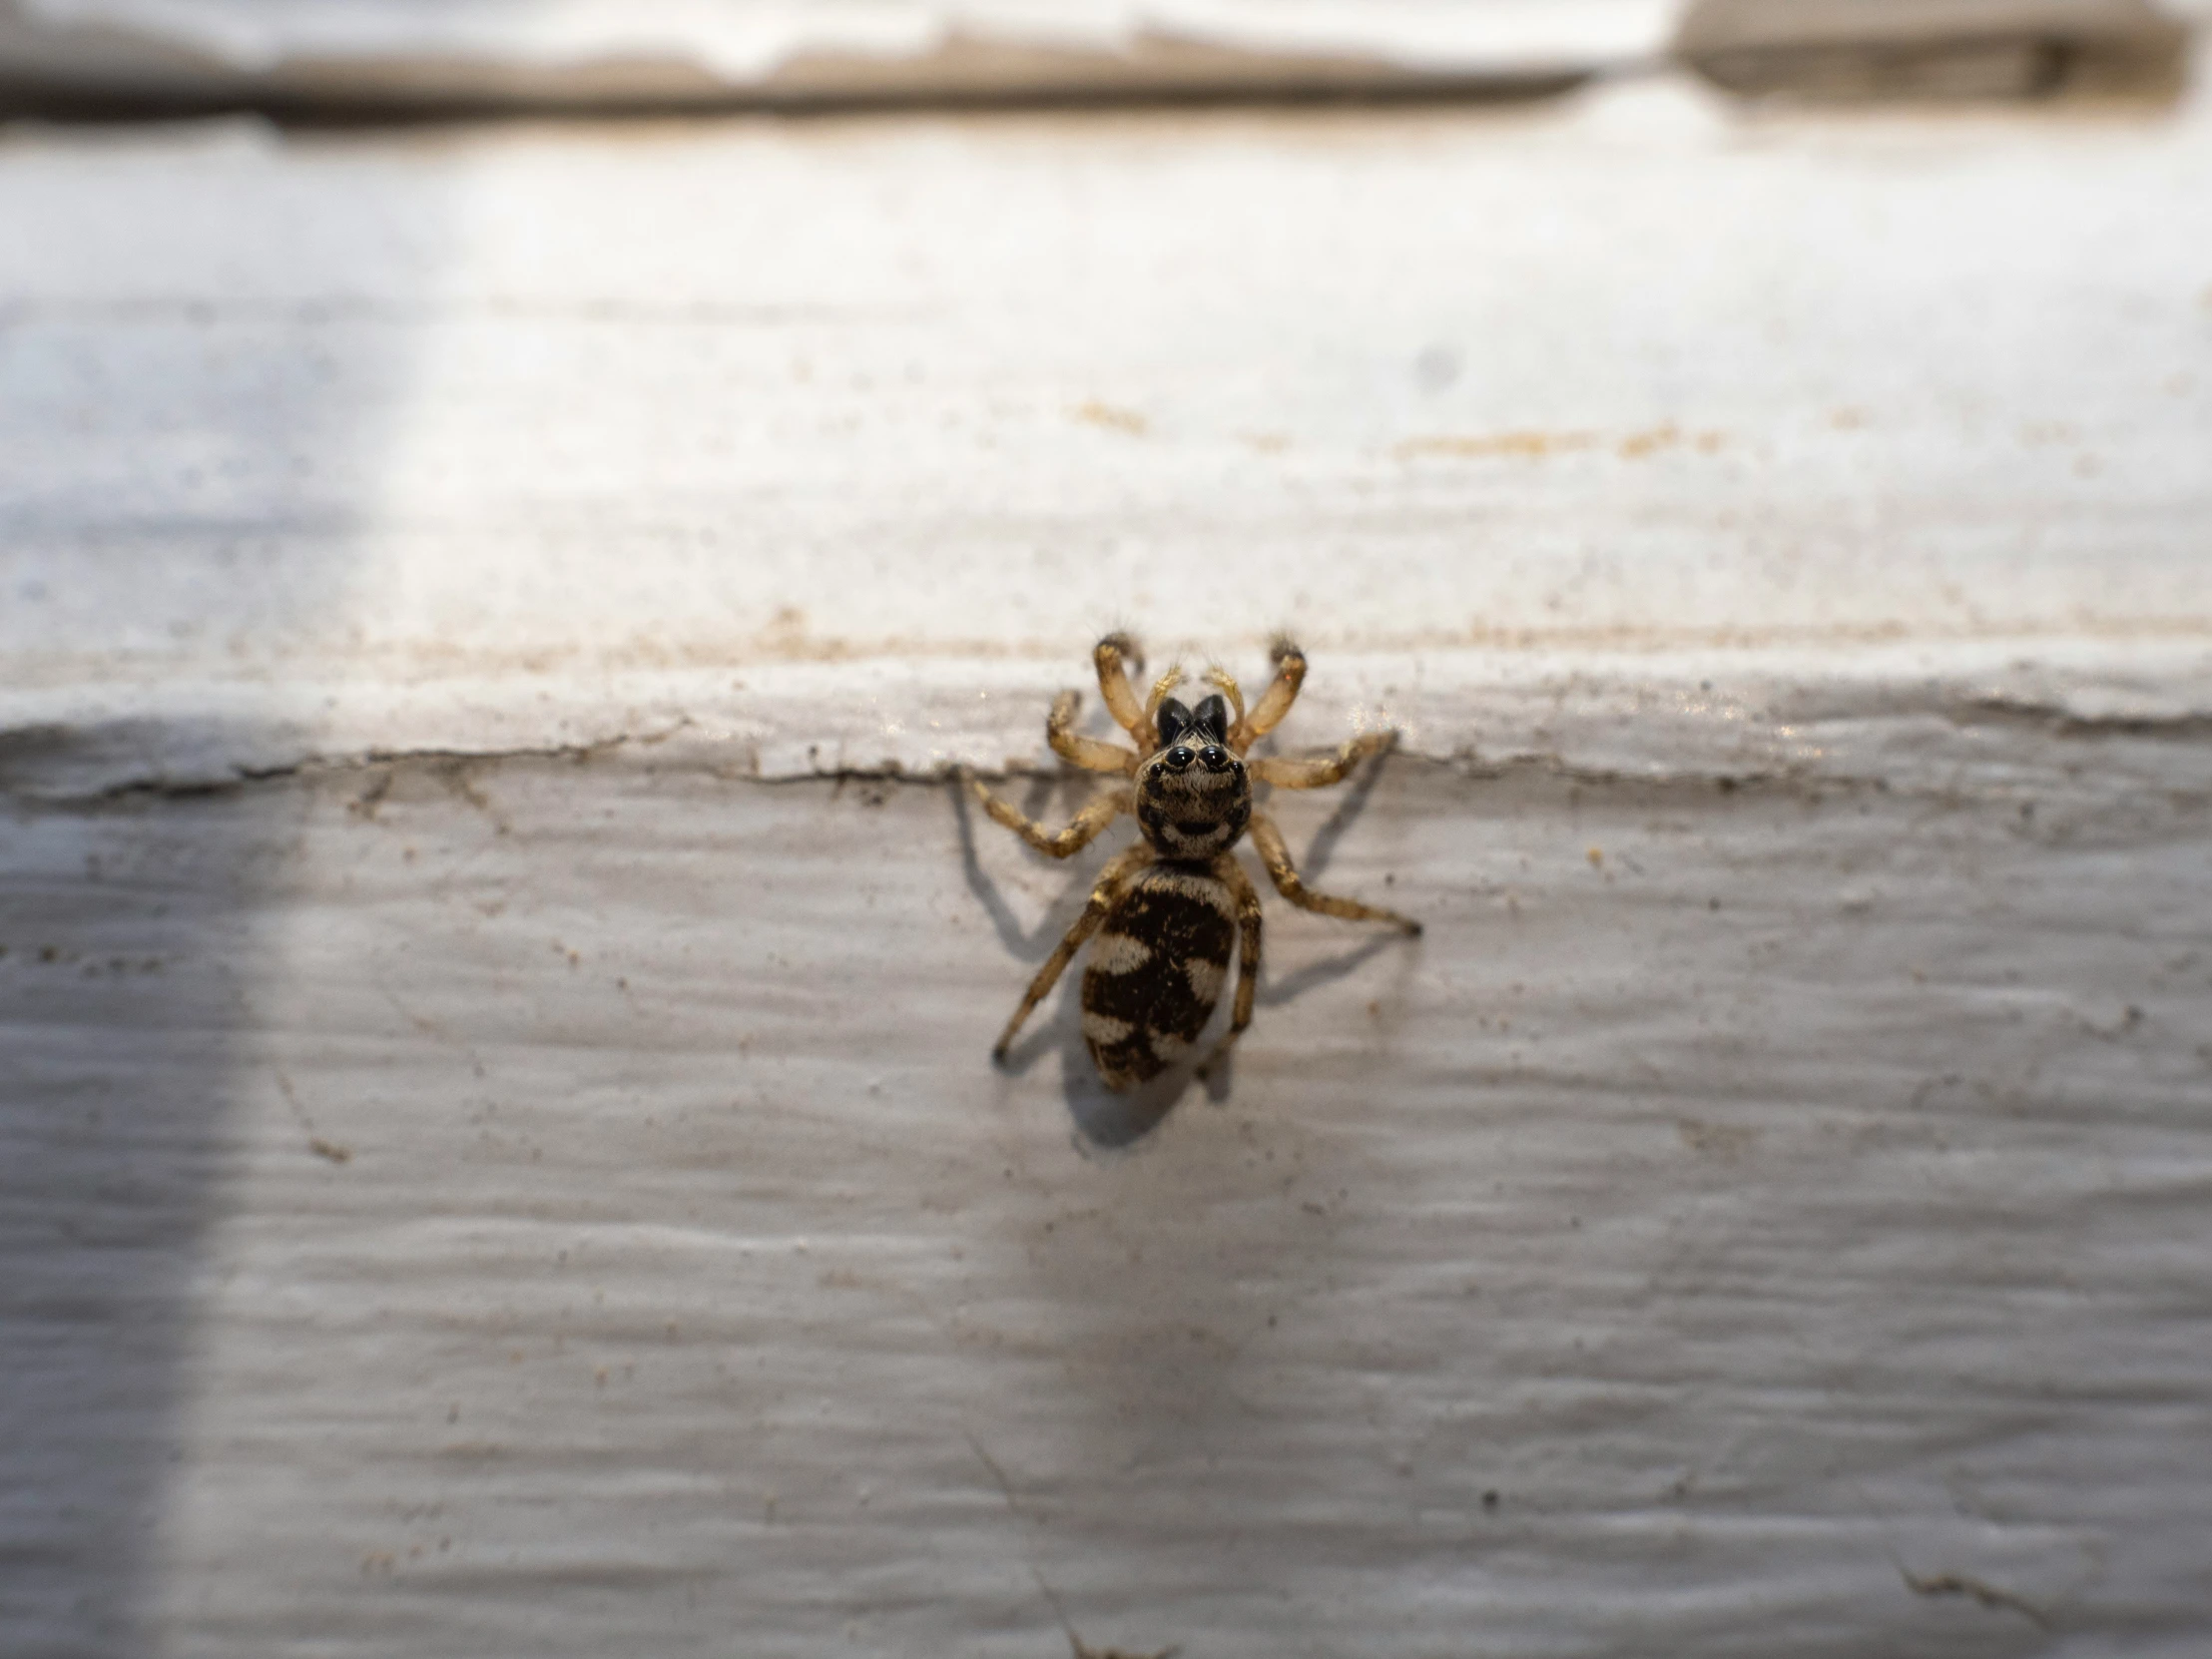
[(1113, 685), (1084, 828), (1103, 894), (1088, 753), (1318, 772), (1249, 924), (1276, 701), (1277, 855)]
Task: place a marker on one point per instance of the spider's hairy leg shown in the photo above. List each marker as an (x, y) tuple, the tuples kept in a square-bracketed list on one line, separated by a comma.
[(1248, 953), (1276, 701), (1276, 856), (1097, 813), (1088, 753), (1104, 891), (1109, 656), (1318, 772)]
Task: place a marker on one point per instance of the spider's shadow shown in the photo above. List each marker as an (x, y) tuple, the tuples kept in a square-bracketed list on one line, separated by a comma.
[(1351, 805), (1102, 1118)]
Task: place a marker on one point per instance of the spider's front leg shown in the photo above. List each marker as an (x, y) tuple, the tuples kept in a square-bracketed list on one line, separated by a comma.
[(1088, 753), (1103, 894), (1084, 828), (1113, 685), (1276, 701)]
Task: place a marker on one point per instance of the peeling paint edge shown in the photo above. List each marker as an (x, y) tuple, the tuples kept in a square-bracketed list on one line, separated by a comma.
[(1986, 710)]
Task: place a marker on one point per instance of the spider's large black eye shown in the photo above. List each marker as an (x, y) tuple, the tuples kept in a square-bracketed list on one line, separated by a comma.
[(1178, 758), (1212, 718), (1175, 720), (1214, 758)]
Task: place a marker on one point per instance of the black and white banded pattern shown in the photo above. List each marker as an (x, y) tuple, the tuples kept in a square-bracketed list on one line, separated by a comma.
[(1155, 970)]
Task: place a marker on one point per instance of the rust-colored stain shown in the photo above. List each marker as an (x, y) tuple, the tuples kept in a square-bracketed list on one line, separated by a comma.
[(788, 640), (1535, 445), (1114, 419), (1530, 445), (1727, 1141)]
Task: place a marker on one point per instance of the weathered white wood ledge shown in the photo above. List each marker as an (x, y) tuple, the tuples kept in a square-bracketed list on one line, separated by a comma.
[(1911, 714), (565, 1201)]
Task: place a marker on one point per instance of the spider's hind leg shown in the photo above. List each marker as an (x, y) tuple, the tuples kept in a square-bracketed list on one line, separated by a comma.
[(1247, 956), (1104, 891), (1276, 854)]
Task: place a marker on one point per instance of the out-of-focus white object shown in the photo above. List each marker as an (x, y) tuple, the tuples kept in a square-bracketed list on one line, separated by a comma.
[(1935, 48), (696, 53)]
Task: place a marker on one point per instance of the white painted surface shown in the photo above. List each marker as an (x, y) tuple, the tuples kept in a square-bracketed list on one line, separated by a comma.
[(539, 408), (1760, 1257), (692, 1280)]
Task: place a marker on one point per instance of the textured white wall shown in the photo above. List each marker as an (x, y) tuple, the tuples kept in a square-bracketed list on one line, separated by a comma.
[(497, 1150)]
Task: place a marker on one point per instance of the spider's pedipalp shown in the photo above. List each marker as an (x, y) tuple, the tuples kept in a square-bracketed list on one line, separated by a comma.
[(1221, 681), (1160, 689)]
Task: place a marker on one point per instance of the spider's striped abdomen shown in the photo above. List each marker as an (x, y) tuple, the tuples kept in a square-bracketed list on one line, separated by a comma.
[(1155, 970)]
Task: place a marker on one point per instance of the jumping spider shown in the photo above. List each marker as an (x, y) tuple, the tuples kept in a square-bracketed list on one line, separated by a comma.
[(1165, 911)]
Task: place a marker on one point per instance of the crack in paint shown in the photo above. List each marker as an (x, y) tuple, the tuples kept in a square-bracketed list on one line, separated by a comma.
[(1989, 1595)]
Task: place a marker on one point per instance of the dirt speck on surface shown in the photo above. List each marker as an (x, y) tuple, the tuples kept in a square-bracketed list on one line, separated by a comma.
[(1113, 419), (1719, 1140)]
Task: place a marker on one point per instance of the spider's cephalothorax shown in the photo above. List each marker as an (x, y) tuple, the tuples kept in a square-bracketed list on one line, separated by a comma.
[(1193, 796), (1167, 909)]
